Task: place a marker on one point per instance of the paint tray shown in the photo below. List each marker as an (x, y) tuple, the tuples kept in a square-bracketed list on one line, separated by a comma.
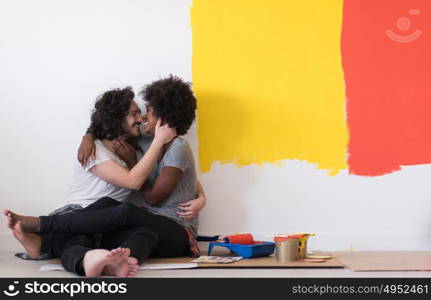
[(256, 249)]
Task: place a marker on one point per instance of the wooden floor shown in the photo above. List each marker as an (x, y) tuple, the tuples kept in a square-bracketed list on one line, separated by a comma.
[(14, 267), (386, 260)]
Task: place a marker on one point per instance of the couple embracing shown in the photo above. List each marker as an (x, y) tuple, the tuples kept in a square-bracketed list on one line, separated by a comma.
[(134, 194)]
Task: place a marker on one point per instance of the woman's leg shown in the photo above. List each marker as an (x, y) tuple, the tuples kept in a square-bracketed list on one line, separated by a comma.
[(90, 221), (73, 252), (30, 241), (172, 244), (102, 203), (32, 224), (80, 257), (141, 241), (105, 220), (173, 239), (122, 215), (53, 243)]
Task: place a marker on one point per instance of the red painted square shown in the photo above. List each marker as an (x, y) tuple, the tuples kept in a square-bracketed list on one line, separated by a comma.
[(386, 52)]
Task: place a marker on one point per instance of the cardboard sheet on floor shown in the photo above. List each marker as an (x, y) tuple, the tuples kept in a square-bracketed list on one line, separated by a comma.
[(258, 262), (385, 260), (145, 266)]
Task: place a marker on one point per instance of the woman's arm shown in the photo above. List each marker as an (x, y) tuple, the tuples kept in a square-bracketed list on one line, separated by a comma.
[(163, 186), (126, 152), (190, 209), (115, 174), (87, 149)]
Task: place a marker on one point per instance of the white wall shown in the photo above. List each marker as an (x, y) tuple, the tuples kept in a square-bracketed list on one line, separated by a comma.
[(57, 56)]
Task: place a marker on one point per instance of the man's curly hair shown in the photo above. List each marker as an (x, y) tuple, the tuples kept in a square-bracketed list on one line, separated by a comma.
[(109, 112), (173, 101)]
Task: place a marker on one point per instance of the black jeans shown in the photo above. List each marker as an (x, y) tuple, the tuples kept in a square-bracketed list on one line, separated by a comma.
[(139, 240), (145, 232), (71, 247)]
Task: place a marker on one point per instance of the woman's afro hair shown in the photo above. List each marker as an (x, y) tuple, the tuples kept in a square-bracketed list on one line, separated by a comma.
[(173, 101)]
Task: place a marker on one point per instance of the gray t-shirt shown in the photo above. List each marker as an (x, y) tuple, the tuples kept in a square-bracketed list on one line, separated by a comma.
[(178, 155)]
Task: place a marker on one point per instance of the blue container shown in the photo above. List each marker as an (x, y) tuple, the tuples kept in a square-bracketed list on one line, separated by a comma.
[(247, 251)]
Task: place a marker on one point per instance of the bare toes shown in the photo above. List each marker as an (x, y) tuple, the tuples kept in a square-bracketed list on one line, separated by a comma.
[(131, 274), (115, 251), (10, 223), (18, 227), (132, 261), (134, 269), (125, 252)]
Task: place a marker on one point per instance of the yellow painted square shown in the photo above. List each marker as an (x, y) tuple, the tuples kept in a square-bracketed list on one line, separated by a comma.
[(269, 82)]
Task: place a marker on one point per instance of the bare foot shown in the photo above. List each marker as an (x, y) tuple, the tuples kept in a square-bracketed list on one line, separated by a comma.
[(29, 224), (133, 266), (124, 252), (132, 261), (104, 262), (122, 269), (30, 241), (133, 270), (10, 221)]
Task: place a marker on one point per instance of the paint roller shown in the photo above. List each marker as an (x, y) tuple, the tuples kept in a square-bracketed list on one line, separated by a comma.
[(242, 239)]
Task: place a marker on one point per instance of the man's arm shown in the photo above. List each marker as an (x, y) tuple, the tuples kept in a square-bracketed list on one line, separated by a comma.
[(163, 187)]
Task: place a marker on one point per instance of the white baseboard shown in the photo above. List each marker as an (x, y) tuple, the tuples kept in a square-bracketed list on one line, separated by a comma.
[(357, 241), (322, 241)]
